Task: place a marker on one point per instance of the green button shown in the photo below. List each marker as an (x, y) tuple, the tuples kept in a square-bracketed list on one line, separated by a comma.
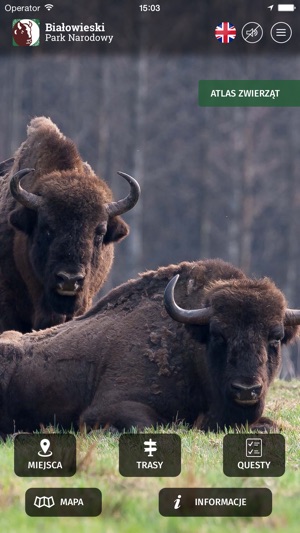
[(249, 93)]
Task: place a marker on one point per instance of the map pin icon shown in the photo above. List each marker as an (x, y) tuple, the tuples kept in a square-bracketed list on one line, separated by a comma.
[(45, 445)]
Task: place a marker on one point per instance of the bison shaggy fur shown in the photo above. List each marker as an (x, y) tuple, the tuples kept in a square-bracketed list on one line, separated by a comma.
[(126, 363), (57, 232)]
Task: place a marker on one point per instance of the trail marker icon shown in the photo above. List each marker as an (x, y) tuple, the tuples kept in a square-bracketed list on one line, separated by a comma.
[(150, 447)]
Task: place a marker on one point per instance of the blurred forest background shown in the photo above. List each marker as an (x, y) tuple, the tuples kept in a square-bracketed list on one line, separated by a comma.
[(216, 182)]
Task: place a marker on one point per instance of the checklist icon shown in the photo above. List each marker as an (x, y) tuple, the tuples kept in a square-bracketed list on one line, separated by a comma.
[(253, 447)]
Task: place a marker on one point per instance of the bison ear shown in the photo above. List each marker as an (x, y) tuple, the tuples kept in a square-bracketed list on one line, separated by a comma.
[(117, 229), (23, 219), (290, 332)]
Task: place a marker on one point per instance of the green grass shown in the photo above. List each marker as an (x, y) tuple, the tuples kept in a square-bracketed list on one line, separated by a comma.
[(130, 505)]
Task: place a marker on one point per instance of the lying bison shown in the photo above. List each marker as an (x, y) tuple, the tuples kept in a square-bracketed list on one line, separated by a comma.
[(128, 363), (57, 231)]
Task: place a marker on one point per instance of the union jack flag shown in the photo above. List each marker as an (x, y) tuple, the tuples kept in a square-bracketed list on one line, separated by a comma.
[(225, 32)]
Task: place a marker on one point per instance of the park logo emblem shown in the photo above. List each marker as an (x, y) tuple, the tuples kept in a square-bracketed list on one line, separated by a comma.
[(26, 32)]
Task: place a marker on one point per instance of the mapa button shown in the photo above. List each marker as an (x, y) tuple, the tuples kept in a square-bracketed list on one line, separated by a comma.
[(63, 502)]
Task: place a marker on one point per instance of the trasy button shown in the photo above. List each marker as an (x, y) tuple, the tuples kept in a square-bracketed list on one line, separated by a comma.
[(150, 455)]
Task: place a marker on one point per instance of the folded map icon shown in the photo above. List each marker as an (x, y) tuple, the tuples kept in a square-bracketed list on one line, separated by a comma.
[(43, 501)]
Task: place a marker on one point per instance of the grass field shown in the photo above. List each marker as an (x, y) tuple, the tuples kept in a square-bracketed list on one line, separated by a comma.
[(130, 505)]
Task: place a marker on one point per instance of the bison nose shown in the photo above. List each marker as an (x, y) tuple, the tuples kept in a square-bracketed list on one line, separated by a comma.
[(245, 394), (68, 284)]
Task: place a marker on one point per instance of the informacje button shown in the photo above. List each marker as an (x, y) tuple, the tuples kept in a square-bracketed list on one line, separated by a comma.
[(215, 502)]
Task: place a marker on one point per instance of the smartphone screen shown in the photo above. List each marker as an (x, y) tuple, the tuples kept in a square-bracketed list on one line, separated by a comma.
[(200, 103)]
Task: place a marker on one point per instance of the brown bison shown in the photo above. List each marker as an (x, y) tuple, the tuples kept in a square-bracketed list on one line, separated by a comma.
[(128, 363), (58, 226)]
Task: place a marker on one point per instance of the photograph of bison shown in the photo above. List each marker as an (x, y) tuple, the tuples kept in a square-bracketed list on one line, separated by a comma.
[(128, 363), (58, 226)]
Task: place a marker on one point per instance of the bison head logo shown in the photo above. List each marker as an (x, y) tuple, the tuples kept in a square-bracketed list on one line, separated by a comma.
[(26, 32)]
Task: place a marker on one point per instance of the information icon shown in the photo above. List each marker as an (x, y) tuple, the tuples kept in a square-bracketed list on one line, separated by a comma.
[(252, 32)]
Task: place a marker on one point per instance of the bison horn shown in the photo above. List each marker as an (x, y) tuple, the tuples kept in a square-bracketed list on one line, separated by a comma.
[(187, 316), (292, 317), (120, 207), (32, 201)]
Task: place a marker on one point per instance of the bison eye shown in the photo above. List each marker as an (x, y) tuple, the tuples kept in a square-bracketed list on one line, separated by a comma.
[(101, 229), (274, 343), (98, 239), (99, 234), (275, 337)]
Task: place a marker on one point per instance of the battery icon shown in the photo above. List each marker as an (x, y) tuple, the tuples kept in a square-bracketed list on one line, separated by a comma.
[(286, 7)]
